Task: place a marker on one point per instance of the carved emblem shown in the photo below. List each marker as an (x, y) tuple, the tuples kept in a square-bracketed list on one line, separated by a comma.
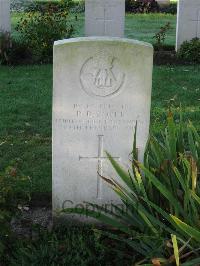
[(101, 75)]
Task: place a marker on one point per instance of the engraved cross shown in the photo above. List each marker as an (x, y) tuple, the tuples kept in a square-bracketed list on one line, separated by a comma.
[(105, 20), (100, 158), (197, 23)]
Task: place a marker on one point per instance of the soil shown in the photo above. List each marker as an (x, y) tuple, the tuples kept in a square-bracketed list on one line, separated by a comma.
[(168, 58), (37, 214), (25, 223)]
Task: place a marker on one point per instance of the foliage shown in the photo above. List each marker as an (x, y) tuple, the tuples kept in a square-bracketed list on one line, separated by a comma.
[(190, 51), (14, 192), (78, 7), (42, 6), (5, 45), (19, 53), (39, 31), (71, 245), (19, 5), (160, 36), (141, 6), (171, 9), (13, 51), (162, 198)]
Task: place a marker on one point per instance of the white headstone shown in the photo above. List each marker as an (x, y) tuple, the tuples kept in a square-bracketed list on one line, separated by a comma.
[(5, 23), (188, 21), (102, 86), (163, 3), (104, 18)]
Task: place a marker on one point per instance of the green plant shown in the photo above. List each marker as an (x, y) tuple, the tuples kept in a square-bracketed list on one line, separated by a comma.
[(13, 51), (19, 53), (160, 36), (190, 51), (141, 6), (43, 5), (5, 45), (70, 245), (39, 31), (161, 198)]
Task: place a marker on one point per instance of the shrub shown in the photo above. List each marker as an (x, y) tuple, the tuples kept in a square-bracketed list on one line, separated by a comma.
[(141, 6), (190, 51), (13, 51), (19, 53), (171, 9), (39, 30), (19, 5), (61, 5), (16, 53), (78, 7), (161, 198)]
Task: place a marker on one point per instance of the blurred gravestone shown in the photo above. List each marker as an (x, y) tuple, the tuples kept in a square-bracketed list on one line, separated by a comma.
[(104, 18), (5, 23), (188, 21), (163, 3)]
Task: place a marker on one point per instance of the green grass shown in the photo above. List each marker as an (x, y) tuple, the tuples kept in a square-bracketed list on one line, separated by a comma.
[(70, 246), (144, 26), (26, 95), (25, 111), (139, 26)]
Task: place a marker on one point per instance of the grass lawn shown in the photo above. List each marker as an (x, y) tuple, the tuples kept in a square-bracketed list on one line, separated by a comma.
[(25, 136), (25, 125), (139, 26), (144, 26), (26, 96)]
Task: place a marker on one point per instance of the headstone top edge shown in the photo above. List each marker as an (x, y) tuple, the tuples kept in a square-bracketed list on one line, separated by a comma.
[(99, 39)]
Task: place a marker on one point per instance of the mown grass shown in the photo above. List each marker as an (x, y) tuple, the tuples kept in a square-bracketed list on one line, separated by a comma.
[(138, 26), (144, 26), (25, 111)]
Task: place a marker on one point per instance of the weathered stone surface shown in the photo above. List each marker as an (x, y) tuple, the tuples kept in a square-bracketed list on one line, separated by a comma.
[(5, 24), (102, 86), (104, 18), (188, 21)]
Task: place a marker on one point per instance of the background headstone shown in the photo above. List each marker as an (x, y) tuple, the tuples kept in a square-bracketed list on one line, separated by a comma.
[(102, 86), (104, 18), (5, 23), (188, 21), (163, 3)]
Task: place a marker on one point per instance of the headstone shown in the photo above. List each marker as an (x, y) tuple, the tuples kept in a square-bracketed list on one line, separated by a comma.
[(188, 21), (5, 23), (102, 86), (104, 18), (163, 3)]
